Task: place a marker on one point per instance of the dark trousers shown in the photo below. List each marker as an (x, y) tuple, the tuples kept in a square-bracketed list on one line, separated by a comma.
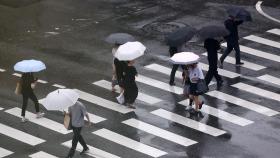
[(77, 137), (173, 72), (212, 72), (25, 97), (230, 47)]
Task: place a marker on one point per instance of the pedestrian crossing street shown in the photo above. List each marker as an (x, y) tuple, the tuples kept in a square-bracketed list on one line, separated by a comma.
[(166, 134)]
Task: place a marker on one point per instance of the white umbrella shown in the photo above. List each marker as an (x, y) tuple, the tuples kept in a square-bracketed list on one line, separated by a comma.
[(184, 58), (130, 51), (60, 99), (29, 66)]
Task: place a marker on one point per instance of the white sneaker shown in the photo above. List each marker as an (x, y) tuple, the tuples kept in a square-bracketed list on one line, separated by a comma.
[(40, 115), (24, 120)]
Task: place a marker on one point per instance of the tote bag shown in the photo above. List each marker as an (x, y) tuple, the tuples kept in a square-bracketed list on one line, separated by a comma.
[(18, 88), (67, 122)]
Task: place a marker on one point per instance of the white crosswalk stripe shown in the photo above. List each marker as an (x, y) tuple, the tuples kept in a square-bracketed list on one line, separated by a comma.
[(222, 72), (19, 75), (247, 64), (103, 102), (221, 114), (159, 132), (243, 103), (42, 154), (45, 122), (93, 118), (94, 152), (58, 86), (188, 122), (129, 143), (274, 31), (263, 41), (257, 53), (5, 152), (141, 96), (257, 91), (159, 84), (271, 79), (19, 135), (1, 108), (2, 70)]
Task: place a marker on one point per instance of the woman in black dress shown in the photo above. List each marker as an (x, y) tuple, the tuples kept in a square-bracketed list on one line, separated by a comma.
[(130, 87)]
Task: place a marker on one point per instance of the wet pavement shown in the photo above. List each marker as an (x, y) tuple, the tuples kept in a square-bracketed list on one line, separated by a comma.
[(69, 37)]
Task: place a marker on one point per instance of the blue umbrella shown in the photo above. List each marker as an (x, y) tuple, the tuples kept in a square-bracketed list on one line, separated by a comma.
[(29, 66)]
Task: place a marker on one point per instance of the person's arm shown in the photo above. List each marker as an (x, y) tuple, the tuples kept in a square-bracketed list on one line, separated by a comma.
[(88, 119)]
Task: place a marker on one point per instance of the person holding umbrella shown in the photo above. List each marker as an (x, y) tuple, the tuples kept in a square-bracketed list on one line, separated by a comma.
[(173, 50), (27, 82)]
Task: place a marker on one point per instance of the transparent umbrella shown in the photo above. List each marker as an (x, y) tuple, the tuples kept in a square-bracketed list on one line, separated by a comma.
[(29, 66), (184, 58)]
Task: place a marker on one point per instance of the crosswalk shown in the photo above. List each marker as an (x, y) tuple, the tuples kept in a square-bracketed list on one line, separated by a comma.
[(146, 126)]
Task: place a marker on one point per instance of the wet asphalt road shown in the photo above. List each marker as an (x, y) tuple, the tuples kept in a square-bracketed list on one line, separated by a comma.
[(69, 37)]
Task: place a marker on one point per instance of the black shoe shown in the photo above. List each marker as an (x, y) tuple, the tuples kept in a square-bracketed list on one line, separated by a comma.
[(200, 105), (172, 84), (239, 64), (85, 151)]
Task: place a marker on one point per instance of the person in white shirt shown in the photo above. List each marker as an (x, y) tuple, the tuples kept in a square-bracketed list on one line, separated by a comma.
[(195, 74)]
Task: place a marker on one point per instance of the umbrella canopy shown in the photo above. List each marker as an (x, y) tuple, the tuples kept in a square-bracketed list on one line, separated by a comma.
[(240, 13), (29, 66), (184, 58), (60, 99), (119, 38), (180, 36), (130, 51), (212, 31)]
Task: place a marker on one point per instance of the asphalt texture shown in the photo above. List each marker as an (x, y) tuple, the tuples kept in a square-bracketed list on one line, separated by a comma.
[(68, 36)]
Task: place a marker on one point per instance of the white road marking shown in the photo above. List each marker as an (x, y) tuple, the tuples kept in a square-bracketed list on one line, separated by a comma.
[(247, 64), (221, 114), (5, 152), (45, 122), (259, 9), (42, 154), (243, 103), (263, 41), (222, 72), (257, 53), (141, 96), (19, 135), (271, 79), (103, 102), (129, 143), (94, 152), (159, 132), (2, 70), (19, 75), (188, 122), (274, 31), (257, 91), (58, 86), (159, 84)]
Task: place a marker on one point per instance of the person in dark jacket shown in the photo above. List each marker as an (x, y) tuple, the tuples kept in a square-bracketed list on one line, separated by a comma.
[(130, 86), (231, 25), (27, 92), (120, 68), (172, 51), (212, 46)]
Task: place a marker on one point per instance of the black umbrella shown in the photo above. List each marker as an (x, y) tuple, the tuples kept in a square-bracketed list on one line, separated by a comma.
[(240, 13), (119, 38), (212, 31), (180, 36)]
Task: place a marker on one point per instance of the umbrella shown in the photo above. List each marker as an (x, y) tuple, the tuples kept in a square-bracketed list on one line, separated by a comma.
[(60, 99), (180, 36), (130, 51), (240, 13), (212, 31), (29, 66), (184, 58), (119, 38)]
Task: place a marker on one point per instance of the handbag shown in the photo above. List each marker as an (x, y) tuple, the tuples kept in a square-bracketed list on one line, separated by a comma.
[(18, 88), (33, 85), (201, 87), (120, 98), (67, 122)]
